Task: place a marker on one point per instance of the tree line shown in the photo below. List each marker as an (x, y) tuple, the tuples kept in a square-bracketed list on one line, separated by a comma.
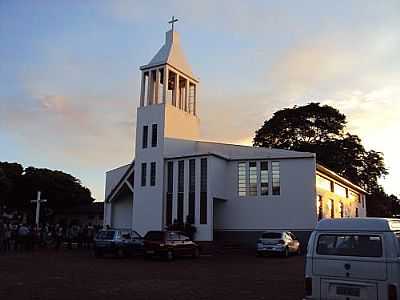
[(19, 185)]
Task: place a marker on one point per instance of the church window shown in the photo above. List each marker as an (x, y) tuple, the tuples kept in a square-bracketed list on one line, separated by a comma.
[(264, 178), (332, 208), (341, 210), (252, 178), (320, 207), (276, 178), (145, 136), (144, 169), (323, 183), (181, 174), (203, 191), (170, 187), (340, 190), (154, 135), (242, 186), (357, 212), (153, 174), (192, 189)]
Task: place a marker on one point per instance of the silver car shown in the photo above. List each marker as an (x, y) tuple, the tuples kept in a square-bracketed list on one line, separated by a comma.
[(279, 242)]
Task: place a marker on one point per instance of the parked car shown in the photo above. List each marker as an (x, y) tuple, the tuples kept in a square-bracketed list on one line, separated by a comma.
[(169, 244), (354, 258), (118, 242), (278, 242)]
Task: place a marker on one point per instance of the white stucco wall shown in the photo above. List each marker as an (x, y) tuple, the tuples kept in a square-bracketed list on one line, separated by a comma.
[(293, 209), (148, 200), (180, 124), (121, 213)]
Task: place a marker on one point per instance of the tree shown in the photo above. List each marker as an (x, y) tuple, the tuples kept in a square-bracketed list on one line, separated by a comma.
[(60, 189), (322, 130)]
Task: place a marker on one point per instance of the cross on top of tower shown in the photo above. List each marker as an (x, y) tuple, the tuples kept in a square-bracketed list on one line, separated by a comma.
[(173, 20)]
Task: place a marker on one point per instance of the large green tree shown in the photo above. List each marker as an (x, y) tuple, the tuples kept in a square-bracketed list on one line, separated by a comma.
[(20, 185), (321, 129)]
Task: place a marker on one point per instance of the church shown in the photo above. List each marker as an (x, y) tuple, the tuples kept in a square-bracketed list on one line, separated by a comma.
[(227, 191)]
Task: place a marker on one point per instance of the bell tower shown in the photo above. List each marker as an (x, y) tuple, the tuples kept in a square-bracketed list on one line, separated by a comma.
[(168, 110)]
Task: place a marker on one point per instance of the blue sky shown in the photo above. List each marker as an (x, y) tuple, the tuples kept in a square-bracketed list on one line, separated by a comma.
[(69, 77)]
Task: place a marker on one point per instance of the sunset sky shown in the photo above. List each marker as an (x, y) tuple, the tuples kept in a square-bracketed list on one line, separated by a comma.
[(69, 73)]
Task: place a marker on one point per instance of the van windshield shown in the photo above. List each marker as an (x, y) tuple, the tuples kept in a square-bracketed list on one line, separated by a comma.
[(350, 245)]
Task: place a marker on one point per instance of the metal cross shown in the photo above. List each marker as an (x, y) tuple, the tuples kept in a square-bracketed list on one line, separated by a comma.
[(38, 201), (173, 20)]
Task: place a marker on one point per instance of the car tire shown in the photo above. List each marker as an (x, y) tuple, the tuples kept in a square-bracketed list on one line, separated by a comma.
[(98, 253), (169, 255), (286, 252), (121, 253), (196, 253)]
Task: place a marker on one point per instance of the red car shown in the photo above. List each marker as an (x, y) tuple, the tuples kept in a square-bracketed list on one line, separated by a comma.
[(169, 244)]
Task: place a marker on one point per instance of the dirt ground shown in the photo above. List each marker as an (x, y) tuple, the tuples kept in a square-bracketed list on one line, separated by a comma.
[(76, 274)]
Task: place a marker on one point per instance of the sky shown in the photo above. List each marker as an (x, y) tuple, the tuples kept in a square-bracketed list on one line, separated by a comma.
[(69, 73)]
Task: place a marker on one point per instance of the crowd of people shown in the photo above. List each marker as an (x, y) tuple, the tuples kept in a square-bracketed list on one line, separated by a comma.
[(25, 237)]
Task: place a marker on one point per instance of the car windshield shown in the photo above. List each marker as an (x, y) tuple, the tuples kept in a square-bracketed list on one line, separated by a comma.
[(350, 245), (154, 236), (271, 235), (105, 235)]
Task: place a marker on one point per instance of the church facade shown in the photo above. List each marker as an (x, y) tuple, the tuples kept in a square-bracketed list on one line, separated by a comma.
[(226, 191)]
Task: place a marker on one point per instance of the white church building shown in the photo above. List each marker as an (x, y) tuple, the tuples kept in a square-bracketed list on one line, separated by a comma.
[(227, 191)]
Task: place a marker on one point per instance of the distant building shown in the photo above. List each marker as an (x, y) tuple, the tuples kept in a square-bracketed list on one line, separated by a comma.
[(228, 191)]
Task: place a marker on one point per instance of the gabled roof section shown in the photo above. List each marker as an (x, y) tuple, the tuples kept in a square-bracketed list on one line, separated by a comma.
[(327, 172), (124, 180), (171, 53)]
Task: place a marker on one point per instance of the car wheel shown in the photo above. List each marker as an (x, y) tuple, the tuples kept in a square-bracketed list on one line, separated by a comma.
[(121, 253), (196, 253), (286, 252), (169, 255), (98, 253)]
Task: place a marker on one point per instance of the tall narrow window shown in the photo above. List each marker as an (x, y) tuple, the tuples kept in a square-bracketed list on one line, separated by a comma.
[(203, 191), (170, 188), (145, 136), (154, 135), (264, 178), (253, 178), (320, 207), (356, 212), (181, 176), (332, 209), (276, 178), (153, 174), (242, 186), (144, 169), (192, 190), (341, 210)]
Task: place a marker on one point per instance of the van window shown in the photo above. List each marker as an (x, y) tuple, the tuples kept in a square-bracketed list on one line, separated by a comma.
[(271, 235), (350, 245)]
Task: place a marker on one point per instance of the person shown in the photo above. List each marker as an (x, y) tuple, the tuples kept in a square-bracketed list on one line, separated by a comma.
[(23, 236), (2, 236), (8, 235), (189, 229), (58, 232)]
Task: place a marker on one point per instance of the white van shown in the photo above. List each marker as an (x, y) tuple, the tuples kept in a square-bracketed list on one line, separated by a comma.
[(354, 258)]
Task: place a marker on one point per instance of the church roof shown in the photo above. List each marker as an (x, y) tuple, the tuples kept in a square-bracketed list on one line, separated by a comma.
[(171, 53), (231, 151)]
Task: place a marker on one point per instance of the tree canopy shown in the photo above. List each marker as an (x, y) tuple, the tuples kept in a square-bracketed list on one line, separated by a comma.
[(321, 129), (19, 186)]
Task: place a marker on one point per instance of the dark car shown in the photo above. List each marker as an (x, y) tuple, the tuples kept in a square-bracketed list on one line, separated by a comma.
[(169, 244), (118, 242)]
